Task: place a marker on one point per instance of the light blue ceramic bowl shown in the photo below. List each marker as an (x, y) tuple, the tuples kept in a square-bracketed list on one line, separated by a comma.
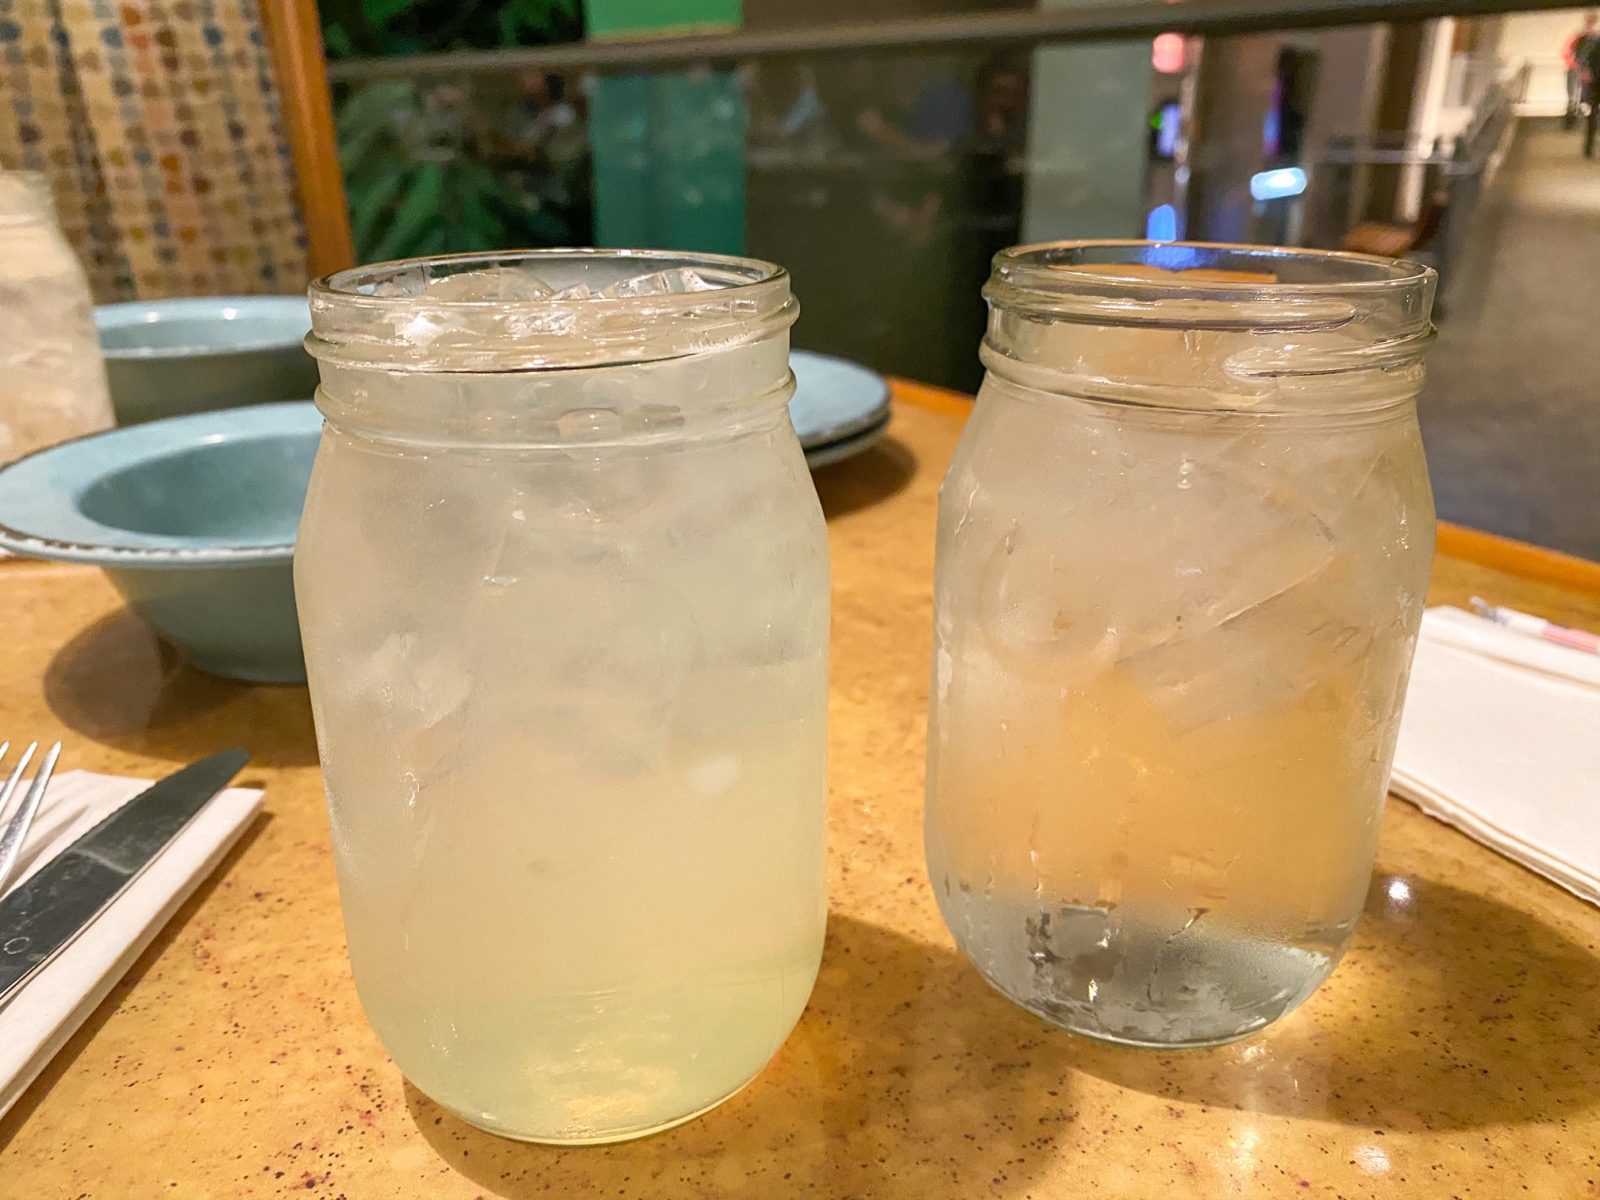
[(192, 518), (169, 357)]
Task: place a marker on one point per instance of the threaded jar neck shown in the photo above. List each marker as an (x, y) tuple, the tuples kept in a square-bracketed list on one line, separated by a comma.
[(1209, 327)]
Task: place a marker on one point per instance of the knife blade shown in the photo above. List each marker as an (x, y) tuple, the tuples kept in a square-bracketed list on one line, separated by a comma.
[(45, 912)]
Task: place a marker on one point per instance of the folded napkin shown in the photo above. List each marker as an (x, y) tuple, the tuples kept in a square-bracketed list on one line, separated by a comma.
[(1501, 738), (42, 1014)]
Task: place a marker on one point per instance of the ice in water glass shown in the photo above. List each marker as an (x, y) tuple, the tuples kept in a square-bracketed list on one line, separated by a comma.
[(1182, 551), (563, 584)]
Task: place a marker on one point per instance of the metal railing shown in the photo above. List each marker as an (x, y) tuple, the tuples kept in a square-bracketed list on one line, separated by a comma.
[(1212, 18), (1455, 172)]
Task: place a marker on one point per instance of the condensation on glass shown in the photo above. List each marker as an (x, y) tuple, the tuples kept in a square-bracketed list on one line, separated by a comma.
[(1182, 554), (52, 379), (563, 584)]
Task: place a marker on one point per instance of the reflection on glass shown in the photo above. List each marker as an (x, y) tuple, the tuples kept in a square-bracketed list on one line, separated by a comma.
[(887, 182), (888, 179)]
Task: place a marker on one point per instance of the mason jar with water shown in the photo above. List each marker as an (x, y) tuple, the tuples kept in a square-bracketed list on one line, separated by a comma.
[(563, 584), (1182, 553)]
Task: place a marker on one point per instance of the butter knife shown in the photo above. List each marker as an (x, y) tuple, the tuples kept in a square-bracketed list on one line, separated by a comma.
[(46, 911)]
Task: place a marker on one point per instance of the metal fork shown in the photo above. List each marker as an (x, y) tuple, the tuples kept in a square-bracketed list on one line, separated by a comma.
[(17, 828)]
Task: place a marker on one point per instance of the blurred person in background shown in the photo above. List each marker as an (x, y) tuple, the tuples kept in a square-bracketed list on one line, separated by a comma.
[(915, 123), (905, 122), (1572, 55), (1589, 65), (1002, 106), (785, 104), (989, 208), (913, 118)]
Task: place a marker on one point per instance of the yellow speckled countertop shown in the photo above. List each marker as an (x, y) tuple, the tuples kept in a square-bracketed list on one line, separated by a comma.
[(1455, 1053)]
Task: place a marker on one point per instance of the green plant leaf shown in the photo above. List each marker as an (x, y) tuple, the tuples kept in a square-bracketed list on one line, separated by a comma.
[(404, 201), (367, 124), (537, 20), (373, 195), (508, 26), (433, 241), (381, 12), (374, 106), (337, 42), (411, 220)]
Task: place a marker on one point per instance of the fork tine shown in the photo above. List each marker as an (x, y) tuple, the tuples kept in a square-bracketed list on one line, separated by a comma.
[(16, 774), (11, 840)]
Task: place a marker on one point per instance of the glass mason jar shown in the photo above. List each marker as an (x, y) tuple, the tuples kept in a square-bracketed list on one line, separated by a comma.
[(52, 379), (1182, 554), (563, 586)]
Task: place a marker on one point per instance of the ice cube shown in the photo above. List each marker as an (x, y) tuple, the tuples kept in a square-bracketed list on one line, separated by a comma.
[(685, 279), (415, 680), (619, 668), (676, 281), (492, 283), (1199, 540), (403, 282), (1038, 612), (1267, 656), (575, 291), (714, 775)]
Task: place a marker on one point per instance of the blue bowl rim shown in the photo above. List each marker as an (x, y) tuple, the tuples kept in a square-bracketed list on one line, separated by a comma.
[(865, 393), (38, 479), (152, 312)]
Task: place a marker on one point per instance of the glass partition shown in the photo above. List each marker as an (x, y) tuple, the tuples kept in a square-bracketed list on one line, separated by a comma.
[(885, 162)]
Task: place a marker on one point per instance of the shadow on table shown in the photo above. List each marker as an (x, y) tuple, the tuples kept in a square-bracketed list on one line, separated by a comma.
[(117, 684), (866, 478), (1451, 1011), (63, 1059), (906, 1075)]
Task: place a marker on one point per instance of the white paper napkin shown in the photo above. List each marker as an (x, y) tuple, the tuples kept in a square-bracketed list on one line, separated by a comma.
[(1501, 738), (41, 1015)]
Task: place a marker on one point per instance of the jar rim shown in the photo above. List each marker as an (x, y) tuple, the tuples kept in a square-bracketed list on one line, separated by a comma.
[(1276, 325), (1206, 284), (1211, 269), (382, 314), (343, 283)]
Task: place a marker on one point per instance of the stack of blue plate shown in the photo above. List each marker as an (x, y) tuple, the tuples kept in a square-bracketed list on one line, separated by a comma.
[(839, 407)]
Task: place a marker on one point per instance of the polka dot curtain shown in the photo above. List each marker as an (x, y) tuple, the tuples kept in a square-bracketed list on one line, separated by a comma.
[(158, 124)]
